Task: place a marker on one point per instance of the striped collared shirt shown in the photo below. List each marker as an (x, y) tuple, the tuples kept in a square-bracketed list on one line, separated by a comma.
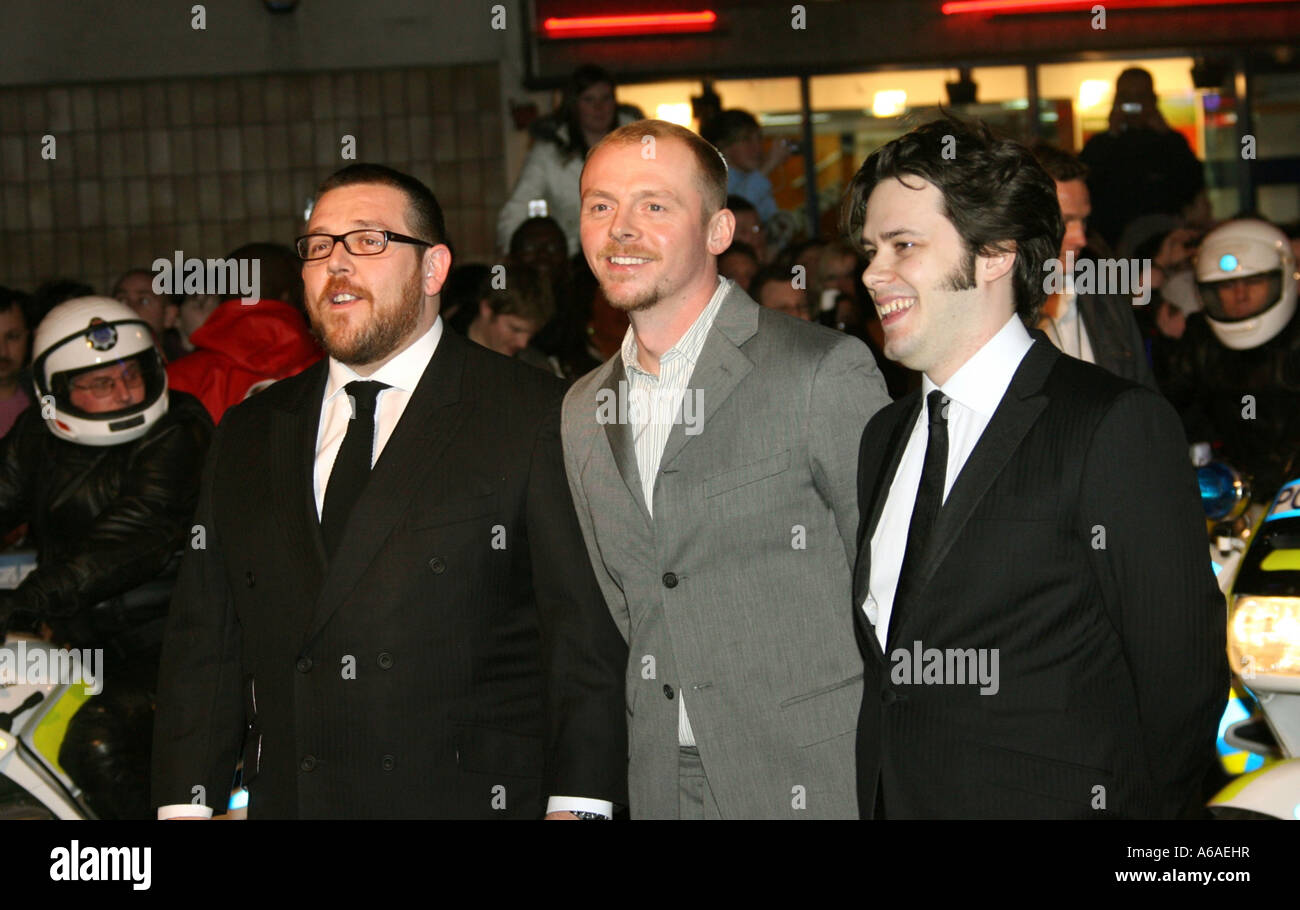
[(654, 405), (655, 402)]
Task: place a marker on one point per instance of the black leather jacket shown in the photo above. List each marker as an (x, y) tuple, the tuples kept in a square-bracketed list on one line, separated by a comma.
[(104, 519), (1209, 384)]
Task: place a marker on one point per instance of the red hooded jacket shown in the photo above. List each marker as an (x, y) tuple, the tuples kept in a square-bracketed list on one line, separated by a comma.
[(240, 347)]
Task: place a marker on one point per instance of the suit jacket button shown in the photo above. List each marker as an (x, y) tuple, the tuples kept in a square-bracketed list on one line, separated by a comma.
[(438, 564), (250, 578), (385, 660), (670, 580), (387, 762), (888, 696), (304, 664), (668, 692), (308, 763)]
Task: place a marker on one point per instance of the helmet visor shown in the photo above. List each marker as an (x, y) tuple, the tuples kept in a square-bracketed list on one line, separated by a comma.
[(1235, 299), (112, 390)]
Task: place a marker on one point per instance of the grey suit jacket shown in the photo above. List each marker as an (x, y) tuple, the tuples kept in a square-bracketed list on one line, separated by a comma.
[(737, 592)]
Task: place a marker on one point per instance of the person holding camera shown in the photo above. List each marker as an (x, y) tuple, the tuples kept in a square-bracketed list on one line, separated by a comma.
[(1140, 166)]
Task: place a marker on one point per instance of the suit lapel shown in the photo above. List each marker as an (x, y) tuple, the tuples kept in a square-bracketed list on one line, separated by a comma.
[(1020, 407), (409, 459), (293, 457), (884, 479), (619, 432), (719, 369)]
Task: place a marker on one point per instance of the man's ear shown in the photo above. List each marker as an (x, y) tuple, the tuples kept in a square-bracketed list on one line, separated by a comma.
[(721, 230), (991, 266), (434, 265)]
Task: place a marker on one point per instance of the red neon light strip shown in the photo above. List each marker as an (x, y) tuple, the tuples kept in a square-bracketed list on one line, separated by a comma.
[(955, 7), (648, 23)]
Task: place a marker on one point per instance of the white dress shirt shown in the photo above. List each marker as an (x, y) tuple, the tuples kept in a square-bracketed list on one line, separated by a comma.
[(660, 400), (974, 393), (1067, 330), (402, 374)]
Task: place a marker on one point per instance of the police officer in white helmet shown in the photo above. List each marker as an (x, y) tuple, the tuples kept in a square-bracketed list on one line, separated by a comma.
[(104, 470), (1236, 375)]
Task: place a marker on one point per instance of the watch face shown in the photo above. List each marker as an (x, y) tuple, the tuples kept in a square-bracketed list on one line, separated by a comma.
[(101, 336)]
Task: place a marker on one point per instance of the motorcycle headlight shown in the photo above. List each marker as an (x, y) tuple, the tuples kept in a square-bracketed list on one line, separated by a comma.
[(1264, 641)]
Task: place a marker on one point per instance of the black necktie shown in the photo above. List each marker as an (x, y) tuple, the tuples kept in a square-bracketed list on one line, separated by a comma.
[(929, 494), (352, 465)]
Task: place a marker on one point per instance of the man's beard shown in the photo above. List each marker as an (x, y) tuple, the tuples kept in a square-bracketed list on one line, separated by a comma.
[(961, 278), (388, 327), (643, 301)]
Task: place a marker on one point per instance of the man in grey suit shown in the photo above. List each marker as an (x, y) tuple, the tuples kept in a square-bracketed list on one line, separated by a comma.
[(712, 465)]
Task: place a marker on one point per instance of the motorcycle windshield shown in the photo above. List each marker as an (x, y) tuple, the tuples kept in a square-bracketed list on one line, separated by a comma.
[(1271, 567)]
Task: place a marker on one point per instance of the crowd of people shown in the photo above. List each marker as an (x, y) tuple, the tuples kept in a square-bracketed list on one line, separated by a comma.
[(624, 272)]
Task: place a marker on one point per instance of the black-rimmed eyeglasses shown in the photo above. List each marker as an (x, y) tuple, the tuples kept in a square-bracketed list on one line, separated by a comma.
[(365, 242)]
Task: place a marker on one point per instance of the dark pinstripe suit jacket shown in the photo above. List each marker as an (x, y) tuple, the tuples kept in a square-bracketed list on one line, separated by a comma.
[(485, 668), (1073, 543)]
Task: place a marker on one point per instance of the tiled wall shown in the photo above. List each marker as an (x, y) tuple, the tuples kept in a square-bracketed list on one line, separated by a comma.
[(142, 169)]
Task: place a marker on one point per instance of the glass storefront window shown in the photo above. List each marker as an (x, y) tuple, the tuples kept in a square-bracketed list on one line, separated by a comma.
[(853, 115), (1087, 89), (1276, 125)]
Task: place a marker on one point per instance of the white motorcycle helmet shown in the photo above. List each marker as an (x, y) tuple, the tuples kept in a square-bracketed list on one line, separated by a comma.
[(85, 336), (1246, 276)]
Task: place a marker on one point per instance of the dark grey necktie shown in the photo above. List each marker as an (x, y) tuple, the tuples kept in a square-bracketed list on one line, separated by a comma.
[(352, 465)]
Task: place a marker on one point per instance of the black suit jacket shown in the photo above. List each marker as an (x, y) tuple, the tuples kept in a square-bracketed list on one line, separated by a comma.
[(1073, 543), (455, 659)]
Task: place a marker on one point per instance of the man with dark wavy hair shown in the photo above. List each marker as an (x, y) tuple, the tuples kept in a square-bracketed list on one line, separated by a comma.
[(1042, 636)]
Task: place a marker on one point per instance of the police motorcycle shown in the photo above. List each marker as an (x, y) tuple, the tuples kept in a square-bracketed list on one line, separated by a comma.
[(1263, 651), (43, 741), (35, 710), (1231, 519), (1255, 546), (46, 738)]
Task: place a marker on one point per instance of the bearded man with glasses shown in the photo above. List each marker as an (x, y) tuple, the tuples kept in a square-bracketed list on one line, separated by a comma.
[(394, 615)]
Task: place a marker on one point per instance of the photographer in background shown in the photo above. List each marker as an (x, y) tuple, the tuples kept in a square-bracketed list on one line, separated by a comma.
[(1141, 166)]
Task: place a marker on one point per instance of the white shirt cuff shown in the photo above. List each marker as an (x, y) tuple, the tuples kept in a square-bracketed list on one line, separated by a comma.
[(184, 810), (579, 804)]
